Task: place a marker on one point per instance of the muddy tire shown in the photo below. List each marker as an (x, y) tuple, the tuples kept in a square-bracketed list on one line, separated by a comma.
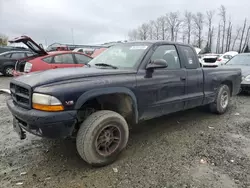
[(101, 137), (8, 71), (222, 100)]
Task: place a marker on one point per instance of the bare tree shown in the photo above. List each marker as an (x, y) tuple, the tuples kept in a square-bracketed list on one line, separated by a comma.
[(3, 40), (151, 29), (236, 37), (210, 15), (163, 26), (174, 21), (228, 35), (222, 13), (133, 35), (242, 34), (188, 25), (218, 39), (199, 23), (143, 31), (157, 27), (246, 39)]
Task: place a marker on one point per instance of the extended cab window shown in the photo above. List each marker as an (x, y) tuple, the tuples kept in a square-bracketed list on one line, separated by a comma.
[(168, 53), (82, 59), (191, 61), (64, 59)]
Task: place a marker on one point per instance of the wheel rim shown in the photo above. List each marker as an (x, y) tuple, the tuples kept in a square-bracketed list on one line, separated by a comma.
[(108, 140), (224, 99), (9, 71)]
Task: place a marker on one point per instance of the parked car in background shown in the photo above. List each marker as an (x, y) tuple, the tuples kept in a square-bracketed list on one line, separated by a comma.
[(226, 57), (98, 51), (87, 51), (209, 60), (242, 61), (126, 84), (9, 59), (47, 60)]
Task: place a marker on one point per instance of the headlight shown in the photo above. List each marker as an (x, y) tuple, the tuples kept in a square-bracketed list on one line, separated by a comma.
[(27, 67), (247, 78), (46, 103)]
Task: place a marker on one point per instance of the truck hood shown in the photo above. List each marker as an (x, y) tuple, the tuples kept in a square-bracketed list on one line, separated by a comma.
[(32, 45), (65, 74), (245, 70)]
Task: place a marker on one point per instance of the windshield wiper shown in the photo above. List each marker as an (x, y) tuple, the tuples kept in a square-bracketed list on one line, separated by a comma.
[(106, 65)]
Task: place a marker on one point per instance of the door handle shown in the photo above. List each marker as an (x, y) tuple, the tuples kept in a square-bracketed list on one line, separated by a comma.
[(183, 78), (55, 67)]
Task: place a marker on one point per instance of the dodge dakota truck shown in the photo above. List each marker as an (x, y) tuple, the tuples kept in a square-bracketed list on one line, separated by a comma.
[(128, 83)]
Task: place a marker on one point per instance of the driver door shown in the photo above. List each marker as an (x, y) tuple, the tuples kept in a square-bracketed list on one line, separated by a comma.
[(162, 91)]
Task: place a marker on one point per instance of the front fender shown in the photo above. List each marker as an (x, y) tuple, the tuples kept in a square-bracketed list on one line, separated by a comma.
[(105, 91)]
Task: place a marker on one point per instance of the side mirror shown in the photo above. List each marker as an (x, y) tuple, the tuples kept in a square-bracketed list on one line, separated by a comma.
[(157, 64)]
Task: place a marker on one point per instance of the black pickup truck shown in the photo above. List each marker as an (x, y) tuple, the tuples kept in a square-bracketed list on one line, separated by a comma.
[(126, 84)]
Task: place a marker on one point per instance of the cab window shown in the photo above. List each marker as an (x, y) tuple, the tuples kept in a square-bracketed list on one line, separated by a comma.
[(168, 53)]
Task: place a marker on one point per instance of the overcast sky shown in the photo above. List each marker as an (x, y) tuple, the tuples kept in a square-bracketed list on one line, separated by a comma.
[(96, 21)]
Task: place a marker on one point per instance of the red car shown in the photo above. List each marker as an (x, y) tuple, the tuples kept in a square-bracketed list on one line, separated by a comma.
[(47, 60)]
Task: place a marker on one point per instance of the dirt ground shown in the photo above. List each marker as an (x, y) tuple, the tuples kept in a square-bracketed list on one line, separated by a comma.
[(188, 149)]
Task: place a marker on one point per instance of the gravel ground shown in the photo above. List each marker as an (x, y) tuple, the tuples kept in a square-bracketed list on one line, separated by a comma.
[(188, 149)]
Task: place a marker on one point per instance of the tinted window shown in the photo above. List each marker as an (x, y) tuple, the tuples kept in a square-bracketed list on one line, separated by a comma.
[(190, 57), (47, 59), (64, 59), (168, 53), (82, 59), (18, 55)]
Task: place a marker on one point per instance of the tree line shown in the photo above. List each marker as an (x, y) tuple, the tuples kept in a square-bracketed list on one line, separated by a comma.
[(3, 40), (197, 29)]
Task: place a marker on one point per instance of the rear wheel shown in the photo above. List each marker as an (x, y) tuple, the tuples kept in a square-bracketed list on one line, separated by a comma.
[(8, 71), (222, 100), (101, 137)]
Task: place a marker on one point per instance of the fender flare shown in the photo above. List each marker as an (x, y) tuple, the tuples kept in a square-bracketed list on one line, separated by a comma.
[(105, 91)]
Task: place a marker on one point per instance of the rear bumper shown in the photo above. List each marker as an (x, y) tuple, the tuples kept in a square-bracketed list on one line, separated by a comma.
[(44, 124)]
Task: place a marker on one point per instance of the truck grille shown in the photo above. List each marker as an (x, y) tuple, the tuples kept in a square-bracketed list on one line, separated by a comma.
[(21, 95)]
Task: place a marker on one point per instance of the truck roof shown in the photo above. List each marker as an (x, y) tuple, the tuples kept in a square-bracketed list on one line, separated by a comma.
[(155, 42)]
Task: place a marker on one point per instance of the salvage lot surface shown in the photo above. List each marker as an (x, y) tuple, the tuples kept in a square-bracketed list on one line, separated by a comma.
[(188, 149)]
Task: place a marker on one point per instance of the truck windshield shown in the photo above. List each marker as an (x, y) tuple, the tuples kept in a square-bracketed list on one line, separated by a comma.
[(124, 55), (240, 60)]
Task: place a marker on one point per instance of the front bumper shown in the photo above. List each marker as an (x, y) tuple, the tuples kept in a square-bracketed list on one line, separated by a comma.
[(44, 124), (245, 86)]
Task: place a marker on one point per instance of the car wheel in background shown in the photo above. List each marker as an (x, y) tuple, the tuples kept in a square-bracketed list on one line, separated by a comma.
[(101, 137), (222, 100), (8, 71)]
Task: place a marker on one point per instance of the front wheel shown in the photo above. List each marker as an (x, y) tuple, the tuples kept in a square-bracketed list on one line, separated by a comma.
[(222, 100), (8, 71), (101, 137)]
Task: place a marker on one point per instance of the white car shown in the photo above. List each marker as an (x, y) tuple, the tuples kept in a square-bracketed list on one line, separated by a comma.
[(209, 60), (222, 60)]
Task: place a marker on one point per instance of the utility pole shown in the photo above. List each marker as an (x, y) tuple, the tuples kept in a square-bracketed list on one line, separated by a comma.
[(72, 34)]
